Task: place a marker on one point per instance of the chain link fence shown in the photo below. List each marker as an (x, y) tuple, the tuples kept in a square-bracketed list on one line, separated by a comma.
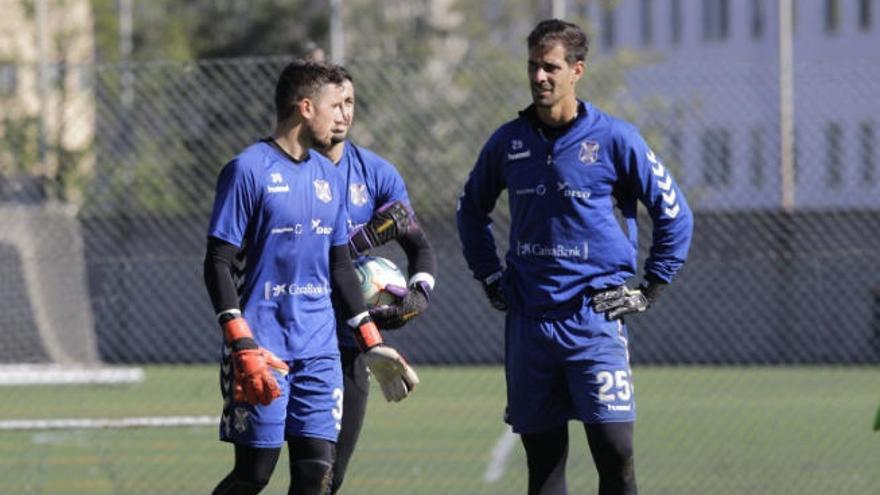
[(105, 192)]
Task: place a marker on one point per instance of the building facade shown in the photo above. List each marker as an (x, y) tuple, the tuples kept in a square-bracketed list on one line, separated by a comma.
[(715, 63)]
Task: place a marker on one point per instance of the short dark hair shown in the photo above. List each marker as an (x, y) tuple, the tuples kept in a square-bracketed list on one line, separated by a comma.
[(302, 79), (345, 74), (552, 31)]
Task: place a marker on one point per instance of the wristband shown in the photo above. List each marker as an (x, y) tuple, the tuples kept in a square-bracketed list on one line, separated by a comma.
[(422, 277), (367, 335)]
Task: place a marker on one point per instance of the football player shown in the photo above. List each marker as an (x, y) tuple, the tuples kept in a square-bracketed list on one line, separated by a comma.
[(566, 165), (280, 205), (379, 211)]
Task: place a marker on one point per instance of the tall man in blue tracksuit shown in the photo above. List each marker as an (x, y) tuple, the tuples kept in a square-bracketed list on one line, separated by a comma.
[(375, 195), (566, 165)]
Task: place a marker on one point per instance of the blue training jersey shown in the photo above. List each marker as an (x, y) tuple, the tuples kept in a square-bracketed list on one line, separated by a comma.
[(285, 215), (370, 182), (565, 239)]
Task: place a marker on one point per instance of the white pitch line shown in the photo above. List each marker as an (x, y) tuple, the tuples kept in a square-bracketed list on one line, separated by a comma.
[(104, 423), (57, 374), (500, 454)]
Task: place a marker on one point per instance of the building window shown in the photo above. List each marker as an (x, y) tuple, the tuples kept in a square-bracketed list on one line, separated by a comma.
[(647, 18), (716, 16), (865, 14), (716, 157), (867, 153), (833, 155), (832, 16), (756, 157), (675, 21), (608, 21), (8, 80), (757, 21)]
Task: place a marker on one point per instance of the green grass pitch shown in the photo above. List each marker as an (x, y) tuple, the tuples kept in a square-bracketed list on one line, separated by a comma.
[(802, 430)]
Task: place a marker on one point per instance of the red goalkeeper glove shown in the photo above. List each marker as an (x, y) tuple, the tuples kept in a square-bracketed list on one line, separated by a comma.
[(254, 381), (390, 368)]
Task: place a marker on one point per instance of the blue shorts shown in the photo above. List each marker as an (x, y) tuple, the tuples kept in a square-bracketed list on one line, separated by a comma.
[(570, 368), (310, 405)]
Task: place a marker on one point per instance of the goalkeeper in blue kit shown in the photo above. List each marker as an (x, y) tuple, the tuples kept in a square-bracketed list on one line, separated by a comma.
[(567, 166), (280, 206), (379, 211)]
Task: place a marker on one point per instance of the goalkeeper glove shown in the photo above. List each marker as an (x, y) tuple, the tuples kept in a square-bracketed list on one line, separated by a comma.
[(622, 300), (413, 301), (389, 222), (254, 382), (391, 370), (238, 389), (494, 291)]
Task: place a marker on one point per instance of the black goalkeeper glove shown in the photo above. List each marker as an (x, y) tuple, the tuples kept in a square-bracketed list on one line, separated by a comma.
[(388, 223), (494, 291), (622, 300), (413, 301)]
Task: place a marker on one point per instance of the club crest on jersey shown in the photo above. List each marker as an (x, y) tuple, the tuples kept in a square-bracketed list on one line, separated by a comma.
[(358, 194), (589, 152), (322, 190)]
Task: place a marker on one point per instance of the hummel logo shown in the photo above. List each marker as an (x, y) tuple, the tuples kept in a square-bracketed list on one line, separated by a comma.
[(664, 182), (519, 156)]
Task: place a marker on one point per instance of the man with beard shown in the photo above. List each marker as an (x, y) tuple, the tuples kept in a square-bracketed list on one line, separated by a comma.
[(280, 206), (376, 196)]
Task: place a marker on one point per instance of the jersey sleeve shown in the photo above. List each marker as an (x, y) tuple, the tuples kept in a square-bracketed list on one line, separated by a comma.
[(391, 187), (475, 204), (234, 203), (655, 187)]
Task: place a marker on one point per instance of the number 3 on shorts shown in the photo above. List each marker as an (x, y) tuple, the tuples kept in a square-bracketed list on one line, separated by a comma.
[(618, 380), (337, 410)]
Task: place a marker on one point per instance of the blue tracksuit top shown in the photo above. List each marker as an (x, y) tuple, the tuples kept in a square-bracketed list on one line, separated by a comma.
[(565, 240)]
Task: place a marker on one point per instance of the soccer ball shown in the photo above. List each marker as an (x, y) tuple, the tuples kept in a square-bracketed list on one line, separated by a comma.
[(374, 273)]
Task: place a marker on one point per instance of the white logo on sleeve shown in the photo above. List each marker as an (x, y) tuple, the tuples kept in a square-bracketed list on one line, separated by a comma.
[(322, 190), (664, 182)]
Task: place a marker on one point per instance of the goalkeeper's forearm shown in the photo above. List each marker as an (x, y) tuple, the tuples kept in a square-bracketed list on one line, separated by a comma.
[(219, 259), (419, 254), (345, 284)]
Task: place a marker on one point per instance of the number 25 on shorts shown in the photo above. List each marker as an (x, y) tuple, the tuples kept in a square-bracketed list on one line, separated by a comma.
[(614, 386)]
